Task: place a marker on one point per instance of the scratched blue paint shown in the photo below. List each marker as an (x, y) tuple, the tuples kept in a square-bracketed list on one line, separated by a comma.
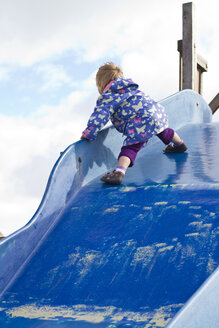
[(119, 256)]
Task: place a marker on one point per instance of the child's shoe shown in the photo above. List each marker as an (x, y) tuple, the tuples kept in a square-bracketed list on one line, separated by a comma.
[(171, 148), (114, 178)]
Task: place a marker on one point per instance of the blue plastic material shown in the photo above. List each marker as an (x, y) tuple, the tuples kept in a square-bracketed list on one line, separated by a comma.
[(121, 256)]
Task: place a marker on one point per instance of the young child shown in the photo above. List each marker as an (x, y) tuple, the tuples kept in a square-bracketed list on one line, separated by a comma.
[(132, 113)]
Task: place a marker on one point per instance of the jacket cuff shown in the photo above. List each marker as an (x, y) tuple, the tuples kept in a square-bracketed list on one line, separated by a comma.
[(88, 133)]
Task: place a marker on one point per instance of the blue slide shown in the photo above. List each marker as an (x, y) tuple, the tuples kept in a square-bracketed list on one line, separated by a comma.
[(142, 254)]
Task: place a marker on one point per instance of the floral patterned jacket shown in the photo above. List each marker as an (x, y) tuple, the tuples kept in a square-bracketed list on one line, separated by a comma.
[(131, 112)]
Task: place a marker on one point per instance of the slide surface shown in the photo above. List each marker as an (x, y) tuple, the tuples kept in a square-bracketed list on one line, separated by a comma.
[(142, 254)]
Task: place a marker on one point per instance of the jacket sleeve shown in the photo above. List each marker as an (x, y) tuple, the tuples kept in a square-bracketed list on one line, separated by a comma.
[(100, 116)]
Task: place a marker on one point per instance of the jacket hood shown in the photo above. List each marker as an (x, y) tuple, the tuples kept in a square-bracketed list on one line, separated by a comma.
[(120, 84)]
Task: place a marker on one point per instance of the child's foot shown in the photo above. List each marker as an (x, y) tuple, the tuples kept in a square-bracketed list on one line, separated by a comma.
[(171, 148), (114, 178)]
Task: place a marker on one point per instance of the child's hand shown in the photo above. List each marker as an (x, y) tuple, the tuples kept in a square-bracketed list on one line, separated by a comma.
[(84, 137)]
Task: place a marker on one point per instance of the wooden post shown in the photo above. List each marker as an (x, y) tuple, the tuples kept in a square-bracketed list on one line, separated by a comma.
[(202, 66), (214, 104), (189, 79), (191, 65)]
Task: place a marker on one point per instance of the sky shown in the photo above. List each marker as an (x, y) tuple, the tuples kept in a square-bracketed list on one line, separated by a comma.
[(50, 51)]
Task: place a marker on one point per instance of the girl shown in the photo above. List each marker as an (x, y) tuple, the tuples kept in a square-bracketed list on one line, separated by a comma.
[(132, 113)]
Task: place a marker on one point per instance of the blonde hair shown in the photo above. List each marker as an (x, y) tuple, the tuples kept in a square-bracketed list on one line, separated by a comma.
[(107, 73)]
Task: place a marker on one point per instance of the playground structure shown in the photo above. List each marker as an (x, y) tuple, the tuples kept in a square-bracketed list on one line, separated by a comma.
[(144, 254), (192, 65)]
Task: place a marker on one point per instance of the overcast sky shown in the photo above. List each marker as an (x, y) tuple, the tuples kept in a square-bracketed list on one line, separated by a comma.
[(50, 51)]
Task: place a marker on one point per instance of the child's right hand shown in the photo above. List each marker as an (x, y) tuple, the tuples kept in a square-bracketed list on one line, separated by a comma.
[(84, 137)]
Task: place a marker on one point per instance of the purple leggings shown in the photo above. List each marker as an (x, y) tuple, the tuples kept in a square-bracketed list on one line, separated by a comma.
[(131, 151)]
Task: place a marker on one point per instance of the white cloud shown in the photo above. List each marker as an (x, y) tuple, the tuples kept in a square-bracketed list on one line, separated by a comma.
[(16, 212), (4, 73), (53, 76), (30, 147), (39, 30)]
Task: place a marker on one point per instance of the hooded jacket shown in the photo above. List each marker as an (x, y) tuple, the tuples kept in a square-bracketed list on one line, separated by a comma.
[(131, 112)]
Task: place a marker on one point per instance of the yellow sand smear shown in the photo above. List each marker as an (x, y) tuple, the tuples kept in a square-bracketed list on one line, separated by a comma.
[(184, 202), (164, 249), (194, 234), (96, 314), (111, 209), (161, 203), (127, 189)]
